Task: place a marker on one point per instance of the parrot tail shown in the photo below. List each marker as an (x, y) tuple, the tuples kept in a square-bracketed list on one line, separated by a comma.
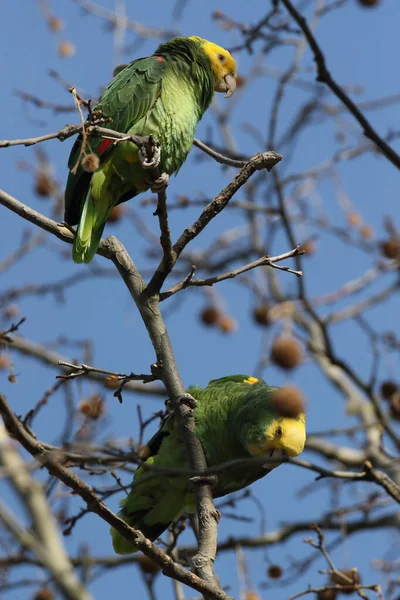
[(152, 523), (89, 232), (123, 546)]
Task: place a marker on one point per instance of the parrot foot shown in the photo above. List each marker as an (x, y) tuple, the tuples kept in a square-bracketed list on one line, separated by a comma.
[(211, 480), (186, 399), (150, 154), (160, 184), (69, 227)]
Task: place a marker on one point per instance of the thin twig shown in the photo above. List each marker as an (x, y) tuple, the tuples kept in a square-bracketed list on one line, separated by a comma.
[(265, 261), (46, 543), (324, 76)]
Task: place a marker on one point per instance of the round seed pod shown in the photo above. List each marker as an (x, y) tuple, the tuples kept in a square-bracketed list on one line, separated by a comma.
[(227, 324), (391, 248), (369, 3), (274, 572), (353, 219), (210, 315), (288, 402), (56, 24), (327, 594), (395, 406), (388, 389), (115, 214), (90, 163), (286, 353), (261, 315), (252, 596), (4, 361), (43, 185), (339, 579), (309, 247), (44, 593), (93, 407), (66, 49), (367, 232)]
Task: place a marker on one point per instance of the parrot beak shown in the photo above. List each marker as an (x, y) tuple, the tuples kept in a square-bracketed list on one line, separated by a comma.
[(230, 81), (227, 84)]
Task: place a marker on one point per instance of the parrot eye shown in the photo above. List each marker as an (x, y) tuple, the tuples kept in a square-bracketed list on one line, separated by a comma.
[(278, 432), (221, 58)]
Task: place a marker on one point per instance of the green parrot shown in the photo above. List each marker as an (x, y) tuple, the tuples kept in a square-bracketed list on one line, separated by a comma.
[(164, 95), (235, 417)]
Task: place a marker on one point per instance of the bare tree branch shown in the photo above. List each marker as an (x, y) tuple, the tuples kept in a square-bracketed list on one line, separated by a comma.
[(324, 76), (46, 541), (68, 477)]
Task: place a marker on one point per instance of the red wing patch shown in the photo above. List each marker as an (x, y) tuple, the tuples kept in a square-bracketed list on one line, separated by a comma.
[(160, 58), (104, 145)]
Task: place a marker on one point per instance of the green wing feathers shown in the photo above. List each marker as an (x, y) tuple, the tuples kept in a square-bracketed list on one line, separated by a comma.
[(89, 197), (155, 502)]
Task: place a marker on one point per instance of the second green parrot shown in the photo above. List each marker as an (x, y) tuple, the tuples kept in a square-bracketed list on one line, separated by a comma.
[(236, 417), (164, 95)]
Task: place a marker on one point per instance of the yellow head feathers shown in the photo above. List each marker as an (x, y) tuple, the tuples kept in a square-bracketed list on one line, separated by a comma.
[(284, 434), (222, 63)]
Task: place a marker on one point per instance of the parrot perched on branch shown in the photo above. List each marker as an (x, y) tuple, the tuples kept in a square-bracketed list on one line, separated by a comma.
[(164, 95), (235, 417)]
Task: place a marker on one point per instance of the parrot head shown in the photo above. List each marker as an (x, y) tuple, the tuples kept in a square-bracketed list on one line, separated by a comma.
[(266, 432), (222, 64)]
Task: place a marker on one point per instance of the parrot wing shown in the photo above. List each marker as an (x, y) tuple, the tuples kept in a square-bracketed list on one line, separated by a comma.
[(128, 98), (156, 499)]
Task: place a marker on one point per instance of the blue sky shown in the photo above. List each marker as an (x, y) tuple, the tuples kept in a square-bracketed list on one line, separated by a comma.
[(361, 47)]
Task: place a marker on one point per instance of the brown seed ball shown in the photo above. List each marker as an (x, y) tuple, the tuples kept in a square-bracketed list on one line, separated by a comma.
[(240, 81), (210, 315), (261, 315), (66, 49), (12, 378), (90, 163), (395, 406), (369, 3), (288, 402), (227, 324), (309, 247), (182, 200), (327, 594), (351, 574), (252, 596), (43, 185), (391, 248), (147, 565), (388, 389), (56, 24), (11, 311), (115, 214), (4, 361), (275, 572), (286, 353), (353, 219), (93, 407), (217, 14), (367, 232), (44, 593)]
